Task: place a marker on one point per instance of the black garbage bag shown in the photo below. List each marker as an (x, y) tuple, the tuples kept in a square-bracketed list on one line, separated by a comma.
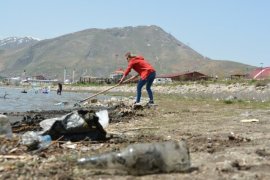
[(75, 126)]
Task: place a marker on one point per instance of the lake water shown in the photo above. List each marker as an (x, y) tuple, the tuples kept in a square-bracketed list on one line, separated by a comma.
[(16, 101)]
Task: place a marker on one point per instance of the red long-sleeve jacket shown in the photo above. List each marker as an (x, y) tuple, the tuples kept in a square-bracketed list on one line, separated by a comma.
[(141, 66)]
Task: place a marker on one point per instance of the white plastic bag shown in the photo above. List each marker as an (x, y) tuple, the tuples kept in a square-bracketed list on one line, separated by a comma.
[(103, 118)]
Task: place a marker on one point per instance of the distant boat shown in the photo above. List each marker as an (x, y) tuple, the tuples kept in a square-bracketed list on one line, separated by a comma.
[(45, 91), (24, 91)]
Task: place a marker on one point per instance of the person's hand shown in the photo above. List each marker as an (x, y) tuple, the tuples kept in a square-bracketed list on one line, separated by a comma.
[(121, 81)]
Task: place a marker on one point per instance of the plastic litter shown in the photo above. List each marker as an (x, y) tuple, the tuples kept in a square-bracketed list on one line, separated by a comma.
[(5, 127), (74, 126), (35, 141), (249, 120), (140, 159), (103, 118)]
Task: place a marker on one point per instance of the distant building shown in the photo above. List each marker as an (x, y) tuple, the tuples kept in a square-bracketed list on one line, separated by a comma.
[(239, 76), (188, 76), (260, 73), (91, 79), (38, 77)]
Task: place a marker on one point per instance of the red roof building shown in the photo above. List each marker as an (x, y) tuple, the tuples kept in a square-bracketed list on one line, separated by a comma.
[(260, 73), (188, 76)]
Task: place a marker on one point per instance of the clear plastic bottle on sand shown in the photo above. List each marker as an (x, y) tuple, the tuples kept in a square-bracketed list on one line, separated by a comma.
[(5, 127), (35, 141), (140, 159)]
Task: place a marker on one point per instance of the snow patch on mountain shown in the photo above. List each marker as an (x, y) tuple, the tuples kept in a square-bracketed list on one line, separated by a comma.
[(16, 42)]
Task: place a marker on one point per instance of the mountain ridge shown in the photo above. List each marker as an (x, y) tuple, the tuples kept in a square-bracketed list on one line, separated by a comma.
[(99, 52)]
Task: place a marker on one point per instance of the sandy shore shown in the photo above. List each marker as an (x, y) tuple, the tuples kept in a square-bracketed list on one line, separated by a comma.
[(221, 144), (241, 91)]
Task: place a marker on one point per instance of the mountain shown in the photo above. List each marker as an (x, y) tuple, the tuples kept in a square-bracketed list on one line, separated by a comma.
[(99, 52)]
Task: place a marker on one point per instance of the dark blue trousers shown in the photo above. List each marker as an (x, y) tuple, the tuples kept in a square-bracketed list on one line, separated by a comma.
[(148, 81)]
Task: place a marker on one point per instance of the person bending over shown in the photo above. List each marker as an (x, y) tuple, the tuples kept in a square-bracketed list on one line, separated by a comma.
[(146, 72)]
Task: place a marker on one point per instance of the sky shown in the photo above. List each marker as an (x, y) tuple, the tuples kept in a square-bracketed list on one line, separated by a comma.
[(235, 30)]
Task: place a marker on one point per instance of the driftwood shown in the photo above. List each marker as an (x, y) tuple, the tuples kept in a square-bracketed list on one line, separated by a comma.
[(13, 157), (141, 128), (133, 129)]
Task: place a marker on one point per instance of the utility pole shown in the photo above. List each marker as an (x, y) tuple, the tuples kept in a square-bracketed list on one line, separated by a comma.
[(73, 76), (65, 73)]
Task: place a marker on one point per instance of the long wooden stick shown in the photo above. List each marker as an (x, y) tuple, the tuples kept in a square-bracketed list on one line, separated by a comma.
[(94, 95)]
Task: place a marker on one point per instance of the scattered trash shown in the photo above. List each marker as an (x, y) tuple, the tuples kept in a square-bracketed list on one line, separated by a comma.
[(103, 118), (35, 141), (61, 104), (75, 126), (140, 159), (233, 137), (5, 127), (69, 145), (249, 120)]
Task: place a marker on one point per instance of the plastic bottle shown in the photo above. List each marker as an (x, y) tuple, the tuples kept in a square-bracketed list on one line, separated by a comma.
[(5, 127), (44, 141), (140, 159), (35, 141)]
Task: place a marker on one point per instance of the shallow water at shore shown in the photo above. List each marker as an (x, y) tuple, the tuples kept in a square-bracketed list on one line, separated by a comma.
[(13, 100)]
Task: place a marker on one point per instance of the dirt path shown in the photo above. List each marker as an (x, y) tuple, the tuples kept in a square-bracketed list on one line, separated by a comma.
[(221, 146)]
